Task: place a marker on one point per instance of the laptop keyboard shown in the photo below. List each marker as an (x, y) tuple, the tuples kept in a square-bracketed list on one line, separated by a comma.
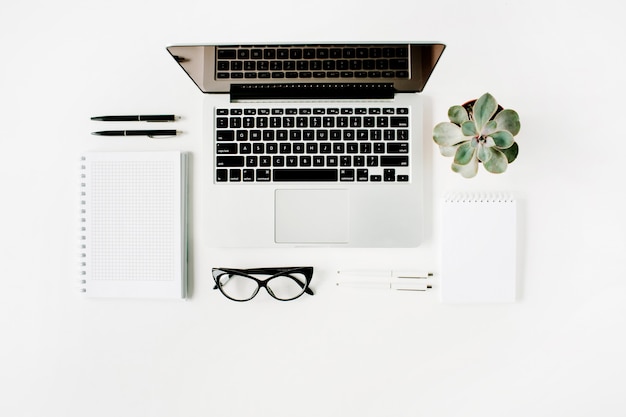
[(308, 62), (310, 144)]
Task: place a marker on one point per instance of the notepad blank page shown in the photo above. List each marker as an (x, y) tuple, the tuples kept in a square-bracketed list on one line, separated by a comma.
[(478, 249)]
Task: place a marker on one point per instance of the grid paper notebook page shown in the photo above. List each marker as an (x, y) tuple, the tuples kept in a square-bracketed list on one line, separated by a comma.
[(478, 257), (133, 222)]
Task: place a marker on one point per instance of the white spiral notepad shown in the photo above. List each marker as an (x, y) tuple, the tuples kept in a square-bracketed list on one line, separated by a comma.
[(133, 224), (478, 256)]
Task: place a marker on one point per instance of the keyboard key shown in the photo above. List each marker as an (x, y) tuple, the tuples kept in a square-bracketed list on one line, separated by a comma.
[(226, 148), (226, 54), (230, 161), (248, 175), (310, 174), (349, 53), (278, 161), (242, 135), (263, 175), (225, 135), (399, 64), (399, 121), (346, 174), (221, 175), (394, 161), (235, 175), (398, 147)]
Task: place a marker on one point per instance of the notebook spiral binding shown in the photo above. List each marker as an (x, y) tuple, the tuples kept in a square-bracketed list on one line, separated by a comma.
[(82, 282), (479, 198)]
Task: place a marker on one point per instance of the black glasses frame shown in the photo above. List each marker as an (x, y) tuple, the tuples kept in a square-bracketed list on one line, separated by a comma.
[(307, 271)]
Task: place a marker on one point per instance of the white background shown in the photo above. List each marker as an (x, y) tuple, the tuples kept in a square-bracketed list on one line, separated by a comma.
[(559, 350)]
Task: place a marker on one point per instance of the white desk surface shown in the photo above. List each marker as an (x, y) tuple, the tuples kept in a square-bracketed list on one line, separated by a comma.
[(559, 350)]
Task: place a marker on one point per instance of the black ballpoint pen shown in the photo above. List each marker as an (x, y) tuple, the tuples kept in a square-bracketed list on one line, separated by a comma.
[(140, 118), (149, 133)]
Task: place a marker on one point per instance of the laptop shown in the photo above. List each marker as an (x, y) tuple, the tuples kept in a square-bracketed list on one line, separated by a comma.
[(312, 144)]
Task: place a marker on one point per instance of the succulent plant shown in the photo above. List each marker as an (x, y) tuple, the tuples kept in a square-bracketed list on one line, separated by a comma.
[(479, 131)]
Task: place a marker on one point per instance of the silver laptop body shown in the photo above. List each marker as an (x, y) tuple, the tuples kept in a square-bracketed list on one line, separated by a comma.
[(312, 145)]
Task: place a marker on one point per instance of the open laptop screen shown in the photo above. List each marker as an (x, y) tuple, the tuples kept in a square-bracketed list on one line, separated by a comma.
[(225, 68)]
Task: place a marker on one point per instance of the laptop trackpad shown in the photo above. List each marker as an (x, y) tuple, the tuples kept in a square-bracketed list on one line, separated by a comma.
[(311, 216)]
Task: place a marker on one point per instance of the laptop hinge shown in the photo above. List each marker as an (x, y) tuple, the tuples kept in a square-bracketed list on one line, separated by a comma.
[(320, 91)]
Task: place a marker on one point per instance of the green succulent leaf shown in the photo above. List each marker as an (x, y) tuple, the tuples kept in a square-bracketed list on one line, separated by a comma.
[(484, 153), (467, 171), (489, 128), (448, 150), (484, 109), (508, 120), (503, 139), (469, 128), (447, 134), (511, 152), (498, 163), (458, 115), (464, 153)]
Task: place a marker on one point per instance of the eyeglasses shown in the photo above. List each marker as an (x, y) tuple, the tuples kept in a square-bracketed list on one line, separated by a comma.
[(283, 284)]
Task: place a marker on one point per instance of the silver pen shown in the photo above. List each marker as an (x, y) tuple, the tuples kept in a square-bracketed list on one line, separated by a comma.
[(386, 285), (390, 274), (396, 279)]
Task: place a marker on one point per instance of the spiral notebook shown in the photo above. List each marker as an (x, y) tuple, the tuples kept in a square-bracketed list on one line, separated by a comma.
[(134, 224), (478, 257)]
